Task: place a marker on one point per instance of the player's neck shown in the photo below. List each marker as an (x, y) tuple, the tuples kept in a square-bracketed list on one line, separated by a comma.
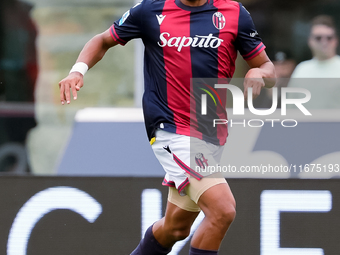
[(193, 3)]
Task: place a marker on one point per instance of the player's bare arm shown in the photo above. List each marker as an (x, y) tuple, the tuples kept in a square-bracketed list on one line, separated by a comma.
[(262, 74), (93, 51)]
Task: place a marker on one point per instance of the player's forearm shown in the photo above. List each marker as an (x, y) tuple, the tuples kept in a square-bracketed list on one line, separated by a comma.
[(268, 74), (94, 50)]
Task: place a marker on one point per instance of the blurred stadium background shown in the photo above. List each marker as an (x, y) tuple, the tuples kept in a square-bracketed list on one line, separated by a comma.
[(87, 138)]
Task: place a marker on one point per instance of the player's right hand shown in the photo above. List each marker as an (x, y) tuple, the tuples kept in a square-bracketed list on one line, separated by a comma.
[(73, 82)]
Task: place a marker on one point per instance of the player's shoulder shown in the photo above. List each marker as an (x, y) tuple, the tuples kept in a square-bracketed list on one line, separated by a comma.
[(151, 3), (147, 6), (143, 3)]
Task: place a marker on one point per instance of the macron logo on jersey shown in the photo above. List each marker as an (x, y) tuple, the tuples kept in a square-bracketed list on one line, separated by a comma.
[(208, 41), (160, 18)]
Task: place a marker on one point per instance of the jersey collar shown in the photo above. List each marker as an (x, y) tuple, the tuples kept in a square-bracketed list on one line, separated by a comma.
[(191, 8)]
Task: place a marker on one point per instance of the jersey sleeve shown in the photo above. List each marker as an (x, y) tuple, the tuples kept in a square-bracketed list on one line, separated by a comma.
[(128, 26), (248, 41)]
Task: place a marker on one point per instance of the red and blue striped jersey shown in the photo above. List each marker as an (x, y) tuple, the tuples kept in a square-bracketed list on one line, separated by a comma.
[(181, 43)]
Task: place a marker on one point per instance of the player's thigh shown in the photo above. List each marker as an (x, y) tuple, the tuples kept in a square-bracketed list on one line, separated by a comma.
[(184, 202), (218, 200), (197, 187), (181, 211)]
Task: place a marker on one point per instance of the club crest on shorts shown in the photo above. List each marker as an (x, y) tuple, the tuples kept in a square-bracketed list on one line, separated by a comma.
[(218, 20), (201, 161)]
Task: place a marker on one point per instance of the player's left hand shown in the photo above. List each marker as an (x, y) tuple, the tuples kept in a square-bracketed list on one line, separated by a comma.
[(253, 80)]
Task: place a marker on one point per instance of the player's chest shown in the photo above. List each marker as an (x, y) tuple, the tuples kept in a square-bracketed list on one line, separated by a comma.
[(178, 30)]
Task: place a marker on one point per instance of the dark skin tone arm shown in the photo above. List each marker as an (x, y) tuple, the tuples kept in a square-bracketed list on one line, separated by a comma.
[(93, 51), (261, 74)]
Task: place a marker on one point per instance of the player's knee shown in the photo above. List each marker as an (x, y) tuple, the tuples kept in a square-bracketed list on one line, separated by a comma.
[(229, 214), (177, 234), (224, 217), (181, 234)]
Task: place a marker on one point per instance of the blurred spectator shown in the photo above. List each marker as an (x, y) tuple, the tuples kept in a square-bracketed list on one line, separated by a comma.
[(284, 66), (323, 42), (18, 74)]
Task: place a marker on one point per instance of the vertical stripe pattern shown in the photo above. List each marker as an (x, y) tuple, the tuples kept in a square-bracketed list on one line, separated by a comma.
[(177, 24)]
